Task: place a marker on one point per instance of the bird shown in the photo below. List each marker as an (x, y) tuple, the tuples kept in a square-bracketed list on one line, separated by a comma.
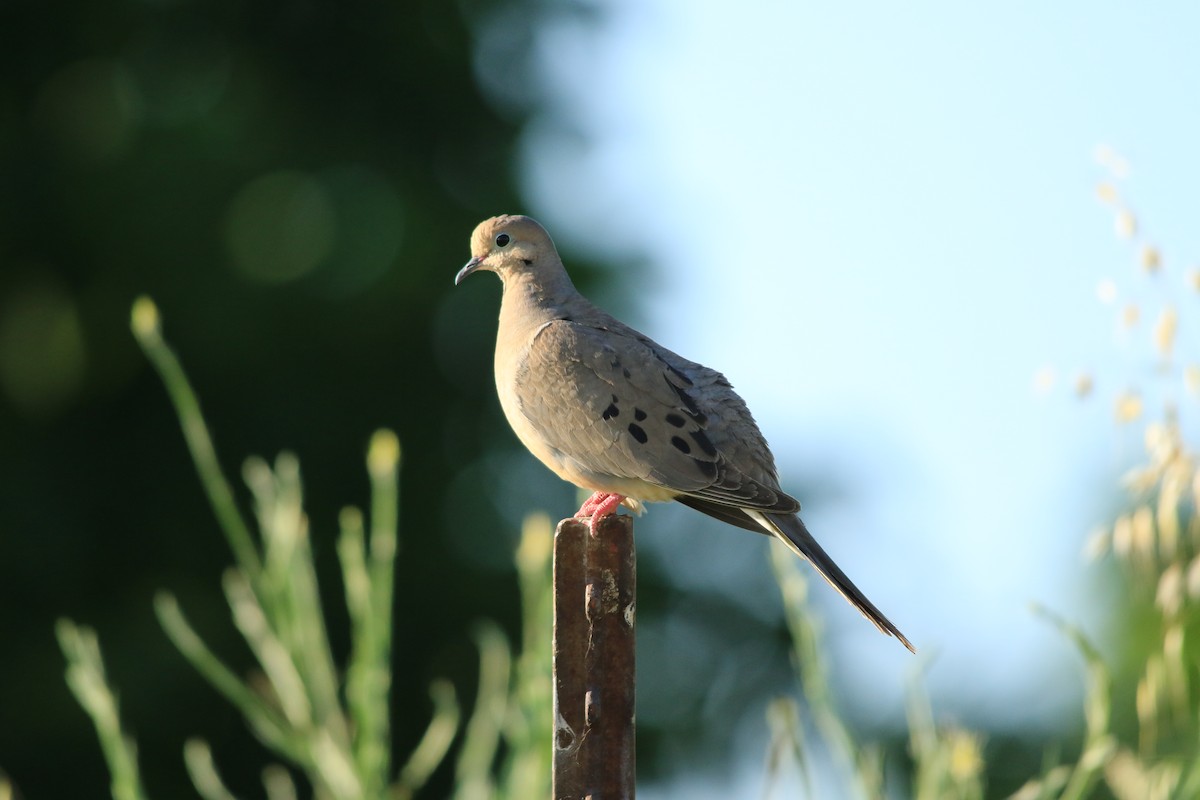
[(612, 411)]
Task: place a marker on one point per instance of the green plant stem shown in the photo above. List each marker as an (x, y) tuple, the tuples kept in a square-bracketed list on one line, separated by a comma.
[(813, 674), (197, 756), (86, 678), (148, 333), (1099, 745), (268, 723), (434, 744), (473, 779)]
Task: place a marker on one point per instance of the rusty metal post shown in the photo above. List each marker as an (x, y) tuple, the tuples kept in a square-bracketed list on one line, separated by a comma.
[(594, 605)]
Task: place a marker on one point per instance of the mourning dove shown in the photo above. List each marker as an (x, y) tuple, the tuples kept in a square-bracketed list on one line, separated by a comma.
[(610, 410)]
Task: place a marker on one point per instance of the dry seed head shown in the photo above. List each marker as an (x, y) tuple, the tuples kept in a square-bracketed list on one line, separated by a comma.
[(1083, 385), (1140, 480), (1168, 523), (1162, 445), (1130, 314), (1153, 436), (1191, 379), (1150, 259), (1173, 643), (1193, 579), (1177, 668), (1169, 596), (1128, 407), (1097, 544), (1122, 536), (1143, 533), (1125, 224), (1111, 160), (1106, 192), (1043, 380)]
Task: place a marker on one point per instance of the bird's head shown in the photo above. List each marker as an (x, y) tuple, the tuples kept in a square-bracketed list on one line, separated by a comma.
[(507, 245)]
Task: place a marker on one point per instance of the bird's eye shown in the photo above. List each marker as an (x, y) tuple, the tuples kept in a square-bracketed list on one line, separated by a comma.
[(502, 240)]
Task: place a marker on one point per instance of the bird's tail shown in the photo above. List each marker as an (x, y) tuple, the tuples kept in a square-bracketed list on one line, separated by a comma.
[(790, 529)]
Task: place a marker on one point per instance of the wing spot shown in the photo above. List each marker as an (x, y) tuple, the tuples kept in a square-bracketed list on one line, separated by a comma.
[(636, 432), (707, 468), (707, 446), (681, 445), (675, 420), (611, 411), (626, 373), (638, 414)]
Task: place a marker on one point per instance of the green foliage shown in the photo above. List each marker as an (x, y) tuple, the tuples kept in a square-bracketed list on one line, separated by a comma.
[(338, 734)]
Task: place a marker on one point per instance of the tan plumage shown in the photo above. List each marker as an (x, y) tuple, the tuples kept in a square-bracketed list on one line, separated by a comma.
[(610, 410)]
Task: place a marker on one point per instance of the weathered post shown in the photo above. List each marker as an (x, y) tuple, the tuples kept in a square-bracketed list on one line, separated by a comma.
[(594, 607)]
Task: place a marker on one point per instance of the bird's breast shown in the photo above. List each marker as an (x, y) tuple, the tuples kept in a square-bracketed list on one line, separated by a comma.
[(520, 382)]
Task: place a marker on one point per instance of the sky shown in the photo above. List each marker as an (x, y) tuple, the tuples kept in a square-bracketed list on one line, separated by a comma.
[(881, 222)]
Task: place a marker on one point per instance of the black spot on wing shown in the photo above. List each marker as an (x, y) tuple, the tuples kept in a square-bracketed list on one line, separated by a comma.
[(707, 468), (675, 420), (636, 432), (638, 414), (681, 445), (612, 410)]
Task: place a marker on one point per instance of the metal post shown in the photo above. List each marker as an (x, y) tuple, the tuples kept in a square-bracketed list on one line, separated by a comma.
[(594, 605)]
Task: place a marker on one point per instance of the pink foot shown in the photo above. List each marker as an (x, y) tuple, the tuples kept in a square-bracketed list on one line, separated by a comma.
[(600, 504), (589, 505)]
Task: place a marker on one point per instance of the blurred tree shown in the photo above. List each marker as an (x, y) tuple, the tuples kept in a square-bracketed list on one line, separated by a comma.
[(294, 184)]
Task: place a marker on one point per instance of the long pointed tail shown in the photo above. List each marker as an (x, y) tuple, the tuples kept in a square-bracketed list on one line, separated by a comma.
[(790, 529)]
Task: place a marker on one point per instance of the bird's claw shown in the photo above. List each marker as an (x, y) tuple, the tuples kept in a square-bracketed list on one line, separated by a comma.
[(599, 505)]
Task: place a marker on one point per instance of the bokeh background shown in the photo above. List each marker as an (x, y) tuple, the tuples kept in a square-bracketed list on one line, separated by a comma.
[(880, 222)]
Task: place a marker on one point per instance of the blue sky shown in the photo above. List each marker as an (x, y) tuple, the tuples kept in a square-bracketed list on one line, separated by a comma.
[(880, 221)]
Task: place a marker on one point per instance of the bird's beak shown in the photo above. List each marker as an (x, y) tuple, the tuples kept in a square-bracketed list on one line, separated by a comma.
[(470, 267)]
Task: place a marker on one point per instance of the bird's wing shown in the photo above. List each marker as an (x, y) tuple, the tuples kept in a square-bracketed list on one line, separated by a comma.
[(620, 405)]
